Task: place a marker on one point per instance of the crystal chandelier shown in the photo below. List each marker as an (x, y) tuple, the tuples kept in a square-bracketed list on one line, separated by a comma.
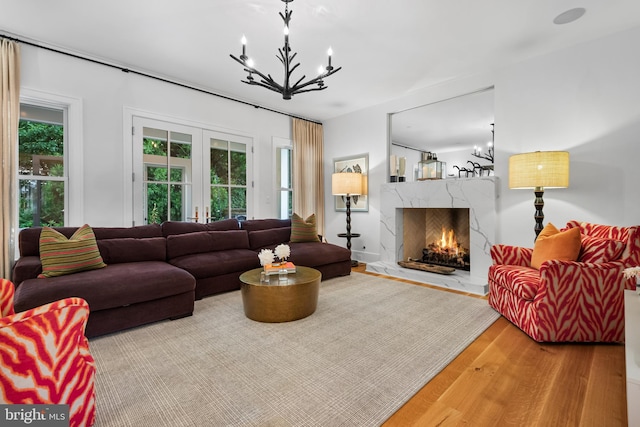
[(286, 57)]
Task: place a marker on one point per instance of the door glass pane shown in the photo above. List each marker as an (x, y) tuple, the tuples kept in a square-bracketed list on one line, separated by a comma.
[(181, 145), (155, 173), (155, 142), (157, 206), (239, 203), (177, 174), (167, 158), (41, 203), (219, 203), (238, 164), (177, 202), (219, 162)]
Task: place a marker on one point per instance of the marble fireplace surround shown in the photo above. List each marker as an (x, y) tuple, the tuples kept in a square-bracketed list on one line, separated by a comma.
[(477, 194)]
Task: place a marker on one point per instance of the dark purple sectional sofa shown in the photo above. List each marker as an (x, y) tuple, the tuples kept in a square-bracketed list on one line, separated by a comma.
[(155, 272)]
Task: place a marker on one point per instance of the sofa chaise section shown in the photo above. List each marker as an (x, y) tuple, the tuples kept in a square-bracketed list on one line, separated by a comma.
[(136, 287)]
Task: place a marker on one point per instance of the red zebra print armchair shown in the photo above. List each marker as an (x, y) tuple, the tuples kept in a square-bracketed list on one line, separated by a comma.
[(579, 301), (44, 356)]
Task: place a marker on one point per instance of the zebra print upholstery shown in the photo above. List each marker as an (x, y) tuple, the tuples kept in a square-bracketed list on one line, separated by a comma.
[(44, 356), (567, 301)]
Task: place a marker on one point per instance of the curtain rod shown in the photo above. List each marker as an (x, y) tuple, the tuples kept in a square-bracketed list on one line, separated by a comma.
[(140, 73), (407, 147)]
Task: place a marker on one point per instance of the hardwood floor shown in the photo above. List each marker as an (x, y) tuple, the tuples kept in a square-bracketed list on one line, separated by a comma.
[(505, 378)]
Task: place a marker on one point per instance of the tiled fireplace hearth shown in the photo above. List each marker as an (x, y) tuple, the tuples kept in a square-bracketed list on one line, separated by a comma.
[(476, 194)]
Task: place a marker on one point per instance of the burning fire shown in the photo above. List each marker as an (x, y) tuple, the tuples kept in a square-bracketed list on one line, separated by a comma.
[(448, 241), (446, 251)]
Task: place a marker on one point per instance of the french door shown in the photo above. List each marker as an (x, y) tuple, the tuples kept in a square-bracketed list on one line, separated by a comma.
[(183, 173)]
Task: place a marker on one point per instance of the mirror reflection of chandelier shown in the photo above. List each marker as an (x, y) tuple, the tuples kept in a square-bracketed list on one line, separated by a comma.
[(286, 57), (488, 155)]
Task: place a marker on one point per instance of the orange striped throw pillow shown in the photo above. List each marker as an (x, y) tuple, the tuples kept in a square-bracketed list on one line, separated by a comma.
[(304, 230), (60, 256)]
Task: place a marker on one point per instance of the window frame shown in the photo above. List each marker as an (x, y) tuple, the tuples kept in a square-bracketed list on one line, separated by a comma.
[(73, 151), (279, 143)]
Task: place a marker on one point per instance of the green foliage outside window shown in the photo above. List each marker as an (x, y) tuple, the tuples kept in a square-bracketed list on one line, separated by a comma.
[(224, 179), (159, 192), (41, 202)]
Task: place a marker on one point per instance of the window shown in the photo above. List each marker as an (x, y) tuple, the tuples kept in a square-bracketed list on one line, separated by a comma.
[(42, 170), (284, 162)]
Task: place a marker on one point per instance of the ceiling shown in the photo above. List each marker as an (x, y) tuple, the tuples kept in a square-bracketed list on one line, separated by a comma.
[(386, 49)]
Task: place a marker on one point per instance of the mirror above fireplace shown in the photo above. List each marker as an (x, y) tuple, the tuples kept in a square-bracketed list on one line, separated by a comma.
[(451, 129)]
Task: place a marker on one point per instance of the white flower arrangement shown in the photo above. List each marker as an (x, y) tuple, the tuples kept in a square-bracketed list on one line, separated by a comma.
[(630, 272), (283, 251), (266, 256)]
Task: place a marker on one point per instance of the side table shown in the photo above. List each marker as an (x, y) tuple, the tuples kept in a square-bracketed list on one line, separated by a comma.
[(276, 302)]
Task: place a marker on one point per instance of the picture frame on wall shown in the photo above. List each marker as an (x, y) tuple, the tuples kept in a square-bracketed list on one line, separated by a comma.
[(358, 163)]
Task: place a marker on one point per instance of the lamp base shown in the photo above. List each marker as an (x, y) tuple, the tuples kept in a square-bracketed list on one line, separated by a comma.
[(538, 203)]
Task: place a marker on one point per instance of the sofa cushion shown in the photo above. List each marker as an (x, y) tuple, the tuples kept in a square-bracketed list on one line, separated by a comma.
[(60, 256), (29, 238), (137, 232), (115, 251), (178, 227), (264, 224), (554, 244), (115, 285), (270, 237), (210, 264), (523, 282), (313, 254), (179, 245), (595, 249), (304, 230)]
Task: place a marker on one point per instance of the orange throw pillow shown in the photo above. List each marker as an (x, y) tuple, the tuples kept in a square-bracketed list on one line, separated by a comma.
[(554, 244)]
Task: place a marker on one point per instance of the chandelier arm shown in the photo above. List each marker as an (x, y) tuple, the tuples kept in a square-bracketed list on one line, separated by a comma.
[(270, 87), (270, 82), (267, 80), (308, 90), (296, 88), (294, 67), (298, 82)]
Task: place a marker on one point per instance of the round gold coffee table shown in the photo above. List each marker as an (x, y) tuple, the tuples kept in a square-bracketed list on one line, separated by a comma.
[(276, 302)]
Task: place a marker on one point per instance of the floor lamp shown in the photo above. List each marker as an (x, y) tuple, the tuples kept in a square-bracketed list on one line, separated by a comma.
[(347, 184), (539, 170)]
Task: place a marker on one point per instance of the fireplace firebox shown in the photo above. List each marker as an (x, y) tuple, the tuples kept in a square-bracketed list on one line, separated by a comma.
[(437, 236)]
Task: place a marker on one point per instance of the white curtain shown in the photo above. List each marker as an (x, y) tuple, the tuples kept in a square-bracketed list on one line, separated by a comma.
[(9, 119), (308, 171)]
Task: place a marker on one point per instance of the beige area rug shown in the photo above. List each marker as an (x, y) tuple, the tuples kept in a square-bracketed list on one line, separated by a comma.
[(369, 347)]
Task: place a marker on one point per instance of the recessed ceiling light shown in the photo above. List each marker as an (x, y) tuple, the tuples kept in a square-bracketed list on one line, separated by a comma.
[(569, 16)]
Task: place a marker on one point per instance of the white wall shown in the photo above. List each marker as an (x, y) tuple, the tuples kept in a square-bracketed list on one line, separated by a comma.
[(105, 93), (583, 99)]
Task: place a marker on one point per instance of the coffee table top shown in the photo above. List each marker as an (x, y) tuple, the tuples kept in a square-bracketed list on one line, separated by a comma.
[(302, 275)]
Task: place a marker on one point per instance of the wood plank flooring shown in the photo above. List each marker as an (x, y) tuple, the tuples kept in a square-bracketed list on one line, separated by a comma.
[(505, 378)]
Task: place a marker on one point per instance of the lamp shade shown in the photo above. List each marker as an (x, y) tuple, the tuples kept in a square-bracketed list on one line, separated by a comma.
[(346, 183), (547, 169)]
